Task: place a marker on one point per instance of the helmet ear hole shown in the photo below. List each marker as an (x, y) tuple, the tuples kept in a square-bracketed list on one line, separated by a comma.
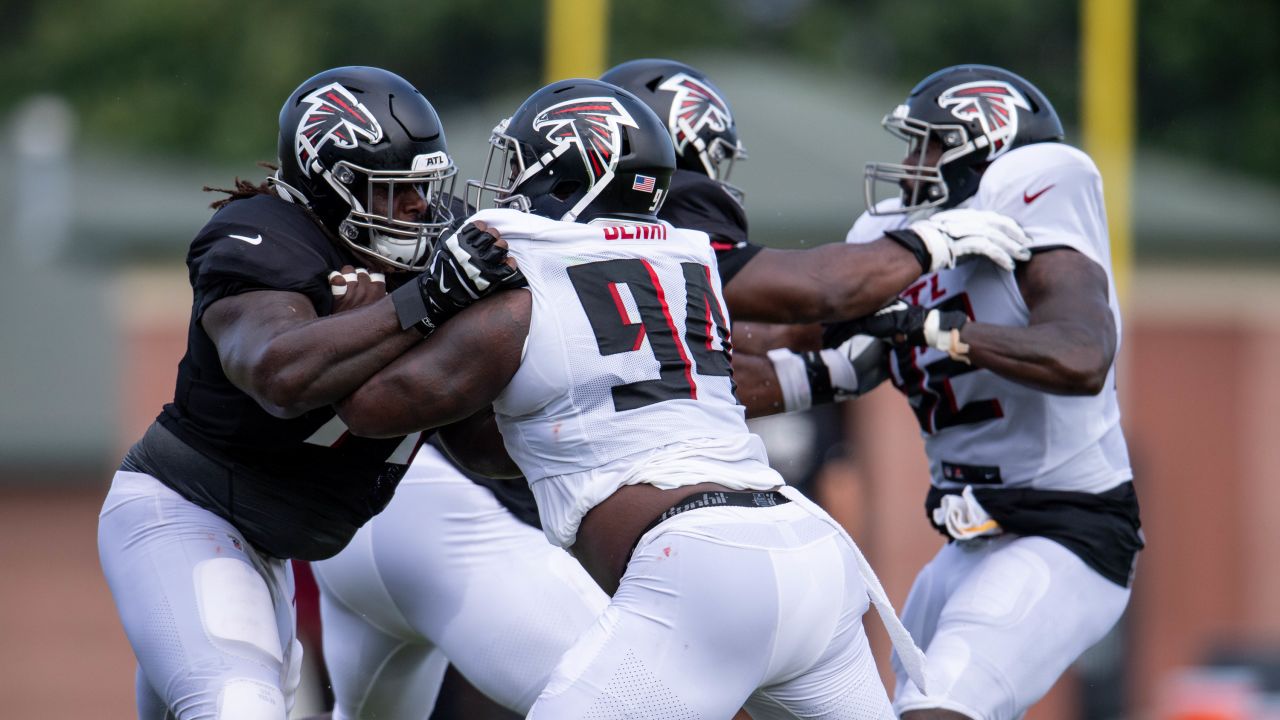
[(565, 189)]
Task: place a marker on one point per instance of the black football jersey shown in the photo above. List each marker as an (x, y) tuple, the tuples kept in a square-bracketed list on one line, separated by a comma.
[(297, 487), (697, 202)]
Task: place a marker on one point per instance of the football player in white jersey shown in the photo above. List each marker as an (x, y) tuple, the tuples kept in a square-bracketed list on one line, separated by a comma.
[(1012, 378), (611, 385), (405, 590)]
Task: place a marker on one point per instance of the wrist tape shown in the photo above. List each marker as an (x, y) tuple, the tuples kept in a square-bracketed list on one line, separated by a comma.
[(411, 309), (912, 241)]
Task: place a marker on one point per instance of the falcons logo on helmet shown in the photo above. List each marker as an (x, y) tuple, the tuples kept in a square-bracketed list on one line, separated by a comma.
[(594, 125), (993, 104), (694, 107), (335, 117)]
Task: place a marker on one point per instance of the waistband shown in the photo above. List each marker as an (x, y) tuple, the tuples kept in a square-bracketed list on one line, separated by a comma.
[(717, 498)]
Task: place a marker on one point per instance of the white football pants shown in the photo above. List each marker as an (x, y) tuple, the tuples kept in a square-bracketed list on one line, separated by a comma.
[(210, 620), (1000, 620), (444, 575), (722, 608)]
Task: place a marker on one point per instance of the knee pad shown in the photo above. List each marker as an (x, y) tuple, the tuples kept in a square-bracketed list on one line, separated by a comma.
[(236, 609), (1004, 590), (246, 699)]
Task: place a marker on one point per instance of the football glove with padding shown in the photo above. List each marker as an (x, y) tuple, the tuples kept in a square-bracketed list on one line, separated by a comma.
[(464, 267), (944, 237), (902, 323), (854, 368)]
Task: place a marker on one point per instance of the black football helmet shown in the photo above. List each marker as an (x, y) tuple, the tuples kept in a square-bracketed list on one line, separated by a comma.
[(971, 114), (350, 138), (695, 111), (576, 150)]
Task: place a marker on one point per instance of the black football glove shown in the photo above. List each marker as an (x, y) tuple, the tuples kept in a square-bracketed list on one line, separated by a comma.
[(463, 268), (900, 323)]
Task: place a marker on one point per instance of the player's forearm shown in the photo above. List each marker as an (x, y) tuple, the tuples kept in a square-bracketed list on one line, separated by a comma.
[(822, 284), (458, 371), (860, 279), (320, 362), (1063, 358), (757, 385), (759, 338), (401, 400)]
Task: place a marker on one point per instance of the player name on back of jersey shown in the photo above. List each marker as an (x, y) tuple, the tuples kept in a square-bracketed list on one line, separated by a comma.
[(644, 231)]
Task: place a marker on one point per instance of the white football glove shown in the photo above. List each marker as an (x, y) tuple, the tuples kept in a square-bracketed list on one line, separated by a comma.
[(857, 366), (853, 368), (952, 234)]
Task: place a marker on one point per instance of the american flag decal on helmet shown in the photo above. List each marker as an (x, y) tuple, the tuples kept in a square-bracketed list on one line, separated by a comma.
[(593, 125), (644, 183), (993, 104), (335, 117), (694, 107)]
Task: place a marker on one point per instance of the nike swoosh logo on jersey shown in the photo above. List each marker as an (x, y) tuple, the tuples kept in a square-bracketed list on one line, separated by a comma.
[(1028, 199), (255, 240)]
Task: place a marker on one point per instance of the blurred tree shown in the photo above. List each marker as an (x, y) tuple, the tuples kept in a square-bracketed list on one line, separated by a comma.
[(1209, 80), (193, 77)]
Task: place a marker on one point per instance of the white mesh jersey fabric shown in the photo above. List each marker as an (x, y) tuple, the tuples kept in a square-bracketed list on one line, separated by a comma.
[(624, 356)]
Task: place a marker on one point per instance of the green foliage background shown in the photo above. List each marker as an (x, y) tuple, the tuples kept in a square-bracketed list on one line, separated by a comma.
[(191, 78)]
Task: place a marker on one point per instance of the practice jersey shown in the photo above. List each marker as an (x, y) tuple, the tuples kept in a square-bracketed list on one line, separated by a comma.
[(297, 487), (625, 376), (980, 428), (696, 201)]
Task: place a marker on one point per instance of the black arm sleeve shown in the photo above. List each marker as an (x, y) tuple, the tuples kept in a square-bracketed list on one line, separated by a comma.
[(697, 202)]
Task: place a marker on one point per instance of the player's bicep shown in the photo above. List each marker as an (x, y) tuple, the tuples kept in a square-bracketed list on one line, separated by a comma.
[(779, 286), (1066, 288), (452, 375), (243, 327)]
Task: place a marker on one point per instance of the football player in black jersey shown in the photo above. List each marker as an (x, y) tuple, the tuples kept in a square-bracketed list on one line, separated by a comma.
[(249, 465)]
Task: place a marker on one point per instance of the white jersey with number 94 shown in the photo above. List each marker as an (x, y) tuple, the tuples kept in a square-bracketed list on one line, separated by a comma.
[(980, 428), (626, 376)]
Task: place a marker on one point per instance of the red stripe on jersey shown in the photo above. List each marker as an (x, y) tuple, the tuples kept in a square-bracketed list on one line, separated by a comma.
[(671, 325), (626, 318)]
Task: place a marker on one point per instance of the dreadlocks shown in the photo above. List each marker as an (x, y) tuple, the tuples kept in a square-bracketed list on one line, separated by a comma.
[(243, 189)]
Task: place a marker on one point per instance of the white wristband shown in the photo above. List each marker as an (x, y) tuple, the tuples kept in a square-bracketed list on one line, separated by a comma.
[(793, 380), (844, 377)]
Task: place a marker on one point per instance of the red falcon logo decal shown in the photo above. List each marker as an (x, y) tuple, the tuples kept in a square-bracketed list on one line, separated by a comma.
[(593, 125), (335, 117), (694, 107), (993, 104)]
